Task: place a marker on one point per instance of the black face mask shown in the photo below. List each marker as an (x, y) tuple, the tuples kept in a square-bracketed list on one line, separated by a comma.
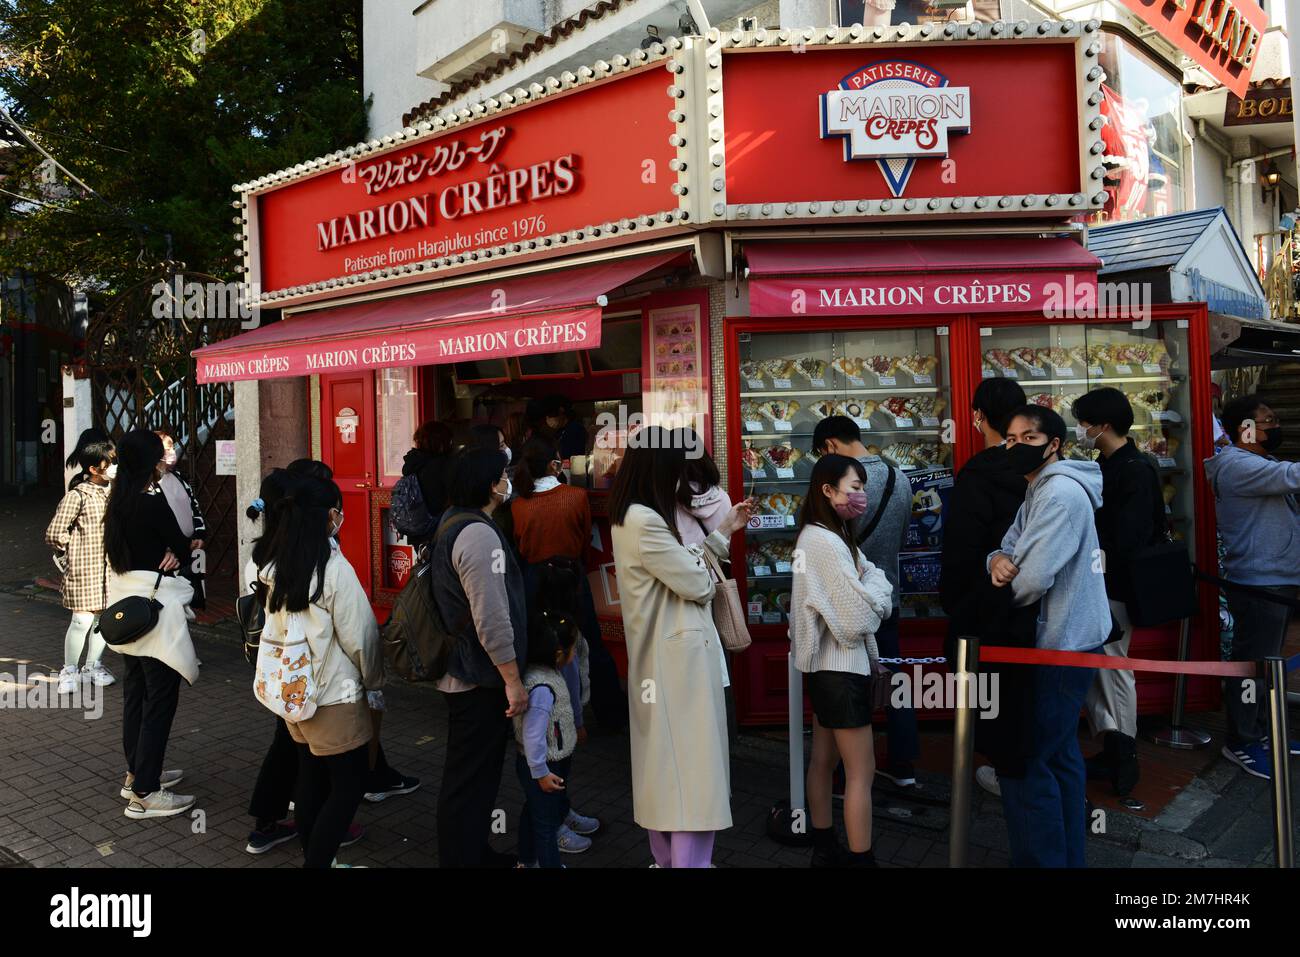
[(1024, 459), (1272, 439)]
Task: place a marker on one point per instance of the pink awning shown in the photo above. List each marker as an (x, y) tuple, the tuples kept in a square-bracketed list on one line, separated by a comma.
[(899, 277), (547, 312)]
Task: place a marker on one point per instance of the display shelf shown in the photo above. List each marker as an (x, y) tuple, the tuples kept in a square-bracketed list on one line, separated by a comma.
[(1103, 380), (852, 389)]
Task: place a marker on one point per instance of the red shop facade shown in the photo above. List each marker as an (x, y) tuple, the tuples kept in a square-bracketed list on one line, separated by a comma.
[(742, 232)]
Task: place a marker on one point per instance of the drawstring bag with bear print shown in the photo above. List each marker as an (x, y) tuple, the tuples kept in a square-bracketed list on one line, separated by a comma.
[(284, 681)]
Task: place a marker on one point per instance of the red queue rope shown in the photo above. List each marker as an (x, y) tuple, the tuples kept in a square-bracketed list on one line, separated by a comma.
[(999, 654)]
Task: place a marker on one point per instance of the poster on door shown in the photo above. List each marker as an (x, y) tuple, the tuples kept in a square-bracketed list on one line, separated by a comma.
[(398, 554)]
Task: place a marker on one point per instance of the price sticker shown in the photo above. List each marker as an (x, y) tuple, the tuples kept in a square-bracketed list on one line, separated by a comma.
[(1124, 369), (904, 423), (921, 378), (856, 382), (785, 473), (818, 383), (1063, 372), (862, 423), (755, 383), (1166, 462), (1151, 368), (1096, 371), (789, 521), (783, 425), (761, 571), (771, 618), (783, 568), (782, 384), (888, 379), (1010, 373), (753, 425), (929, 421), (988, 374), (758, 473), (1038, 372)]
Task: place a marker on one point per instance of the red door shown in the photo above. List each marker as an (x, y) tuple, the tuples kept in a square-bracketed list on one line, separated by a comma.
[(348, 446)]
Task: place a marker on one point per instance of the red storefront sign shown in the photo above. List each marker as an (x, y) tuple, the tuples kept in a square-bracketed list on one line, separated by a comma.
[(539, 170), (1223, 36), (941, 121), (917, 294)]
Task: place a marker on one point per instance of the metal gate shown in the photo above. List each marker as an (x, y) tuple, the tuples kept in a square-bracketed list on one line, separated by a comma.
[(142, 376)]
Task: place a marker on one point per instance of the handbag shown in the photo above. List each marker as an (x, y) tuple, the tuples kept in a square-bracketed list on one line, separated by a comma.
[(250, 613), (1159, 577), (728, 614), (130, 618)]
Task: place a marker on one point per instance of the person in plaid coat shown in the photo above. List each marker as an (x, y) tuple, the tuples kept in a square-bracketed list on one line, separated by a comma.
[(76, 534)]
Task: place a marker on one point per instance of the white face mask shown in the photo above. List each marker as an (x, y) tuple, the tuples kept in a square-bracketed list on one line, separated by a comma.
[(334, 531), (1086, 442), (505, 497), (110, 473), (169, 458), (509, 455)]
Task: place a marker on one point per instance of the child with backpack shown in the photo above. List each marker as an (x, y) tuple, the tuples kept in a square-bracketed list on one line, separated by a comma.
[(76, 534), (546, 735)]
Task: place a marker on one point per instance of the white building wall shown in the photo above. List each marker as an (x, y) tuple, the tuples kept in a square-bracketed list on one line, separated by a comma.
[(389, 68)]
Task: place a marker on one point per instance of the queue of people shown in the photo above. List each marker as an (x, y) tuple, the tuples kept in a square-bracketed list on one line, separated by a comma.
[(1037, 553)]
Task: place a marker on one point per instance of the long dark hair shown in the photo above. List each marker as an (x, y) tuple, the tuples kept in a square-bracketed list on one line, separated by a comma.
[(552, 613), (650, 475), (275, 486), (298, 545), (830, 470), (433, 438), (534, 460), (138, 455)]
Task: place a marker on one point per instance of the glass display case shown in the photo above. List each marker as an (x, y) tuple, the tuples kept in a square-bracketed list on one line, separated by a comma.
[(1146, 361), (895, 384)]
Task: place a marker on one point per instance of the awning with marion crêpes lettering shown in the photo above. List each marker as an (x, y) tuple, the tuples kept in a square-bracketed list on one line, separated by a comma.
[(557, 311)]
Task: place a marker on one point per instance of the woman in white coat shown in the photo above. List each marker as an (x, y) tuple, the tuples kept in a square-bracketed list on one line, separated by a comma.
[(678, 724)]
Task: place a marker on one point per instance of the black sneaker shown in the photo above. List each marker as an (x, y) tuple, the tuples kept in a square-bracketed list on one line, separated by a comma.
[(902, 774), (400, 785), (259, 842)]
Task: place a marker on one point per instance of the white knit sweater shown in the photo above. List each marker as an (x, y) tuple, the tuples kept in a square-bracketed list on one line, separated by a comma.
[(836, 607)]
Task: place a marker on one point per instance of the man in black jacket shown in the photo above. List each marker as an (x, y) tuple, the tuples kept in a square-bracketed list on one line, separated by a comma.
[(984, 501), (1131, 517)]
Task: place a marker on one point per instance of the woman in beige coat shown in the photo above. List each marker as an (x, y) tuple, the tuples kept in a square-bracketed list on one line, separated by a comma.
[(678, 727)]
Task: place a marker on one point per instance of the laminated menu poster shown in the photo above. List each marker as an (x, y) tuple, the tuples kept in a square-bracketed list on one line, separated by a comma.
[(918, 573), (931, 489), (675, 392)]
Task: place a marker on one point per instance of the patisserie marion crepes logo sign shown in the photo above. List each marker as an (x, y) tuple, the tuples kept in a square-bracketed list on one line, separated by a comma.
[(895, 112)]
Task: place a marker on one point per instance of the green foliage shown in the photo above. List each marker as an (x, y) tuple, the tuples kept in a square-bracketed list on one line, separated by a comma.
[(159, 106)]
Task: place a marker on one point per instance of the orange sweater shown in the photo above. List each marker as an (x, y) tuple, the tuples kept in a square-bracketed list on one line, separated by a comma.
[(555, 522)]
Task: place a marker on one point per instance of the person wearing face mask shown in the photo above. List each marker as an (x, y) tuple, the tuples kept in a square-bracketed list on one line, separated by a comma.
[(570, 436), (185, 506), (985, 497), (838, 603), (76, 534), (1259, 521), (1049, 555), (880, 532), (1131, 517), (479, 591)]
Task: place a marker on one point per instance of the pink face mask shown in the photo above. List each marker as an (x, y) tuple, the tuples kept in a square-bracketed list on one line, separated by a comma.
[(853, 507)]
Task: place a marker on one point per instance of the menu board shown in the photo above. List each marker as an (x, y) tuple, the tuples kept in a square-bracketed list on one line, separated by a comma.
[(931, 489), (675, 395)]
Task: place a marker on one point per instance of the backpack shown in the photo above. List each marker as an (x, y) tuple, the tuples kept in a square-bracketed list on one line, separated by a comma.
[(416, 643), (285, 681), (407, 509)]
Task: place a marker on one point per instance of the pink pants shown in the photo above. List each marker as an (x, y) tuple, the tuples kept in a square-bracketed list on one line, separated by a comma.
[(682, 848)]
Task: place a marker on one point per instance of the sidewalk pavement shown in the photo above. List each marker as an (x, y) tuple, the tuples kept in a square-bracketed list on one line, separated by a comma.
[(59, 804)]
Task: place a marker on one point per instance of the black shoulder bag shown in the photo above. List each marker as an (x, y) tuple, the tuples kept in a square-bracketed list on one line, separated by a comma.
[(131, 618), (1159, 575), (250, 612)]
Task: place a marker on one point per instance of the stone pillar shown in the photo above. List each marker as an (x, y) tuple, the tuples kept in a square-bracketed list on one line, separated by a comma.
[(272, 428), (77, 412)]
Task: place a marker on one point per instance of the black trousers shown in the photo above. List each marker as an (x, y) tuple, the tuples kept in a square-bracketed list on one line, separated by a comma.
[(276, 778), (150, 692), (329, 793), (477, 731)]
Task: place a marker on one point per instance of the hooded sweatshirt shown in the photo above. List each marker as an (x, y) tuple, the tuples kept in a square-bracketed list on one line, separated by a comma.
[(1258, 516), (1053, 542)]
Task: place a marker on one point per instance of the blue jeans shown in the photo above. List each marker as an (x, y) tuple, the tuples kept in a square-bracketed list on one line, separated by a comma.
[(904, 741), (542, 815), (1046, 810)]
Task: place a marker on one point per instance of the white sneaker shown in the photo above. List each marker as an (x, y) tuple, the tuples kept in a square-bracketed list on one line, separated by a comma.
[(96, 673), (571, 843), (69, 679), (167, 780), (987, 778), (158, 804)]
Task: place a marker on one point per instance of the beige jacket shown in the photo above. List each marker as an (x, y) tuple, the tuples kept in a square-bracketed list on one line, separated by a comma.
[(170, 640), (347, 659), (680, 763)]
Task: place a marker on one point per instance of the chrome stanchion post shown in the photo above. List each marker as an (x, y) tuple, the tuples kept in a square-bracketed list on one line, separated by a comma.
[(963, 751), (796, 744), (1175, 735), (1279, 742)]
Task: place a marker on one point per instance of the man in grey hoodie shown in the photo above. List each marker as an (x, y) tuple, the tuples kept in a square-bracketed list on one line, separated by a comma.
[(1259, 521), (1050, 552)]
